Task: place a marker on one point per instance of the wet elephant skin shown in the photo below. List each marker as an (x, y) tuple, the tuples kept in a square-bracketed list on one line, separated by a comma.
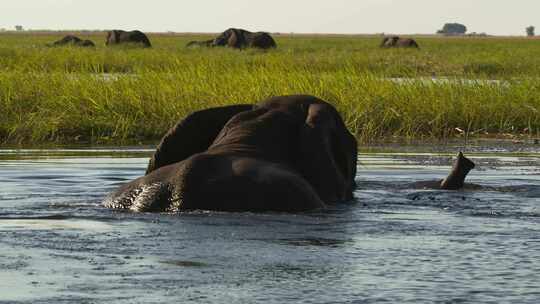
[(287, 153)]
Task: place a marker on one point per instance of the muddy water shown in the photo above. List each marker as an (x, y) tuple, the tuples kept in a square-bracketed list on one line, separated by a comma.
[(393, 243)]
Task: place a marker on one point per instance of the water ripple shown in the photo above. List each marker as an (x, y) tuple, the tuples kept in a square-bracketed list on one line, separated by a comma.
[(393, 243)]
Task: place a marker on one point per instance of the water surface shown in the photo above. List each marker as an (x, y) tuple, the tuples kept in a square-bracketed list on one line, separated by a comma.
[(392, 244)]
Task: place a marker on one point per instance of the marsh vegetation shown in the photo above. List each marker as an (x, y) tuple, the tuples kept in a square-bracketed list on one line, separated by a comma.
[(129, 95)]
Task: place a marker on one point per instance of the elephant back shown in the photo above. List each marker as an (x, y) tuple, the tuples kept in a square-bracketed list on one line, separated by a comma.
[(396, 41), (120, 36), (408, 43), (69, 39), (262, 40), (192, 135)]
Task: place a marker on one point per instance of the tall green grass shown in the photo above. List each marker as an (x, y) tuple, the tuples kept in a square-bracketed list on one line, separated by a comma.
[(117, 95)]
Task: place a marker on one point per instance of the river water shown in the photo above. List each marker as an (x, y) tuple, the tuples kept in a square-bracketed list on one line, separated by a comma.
[(392, 244)]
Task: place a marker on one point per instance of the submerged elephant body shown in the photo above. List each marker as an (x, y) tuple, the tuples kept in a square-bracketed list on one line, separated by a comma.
[(73, 40), (289, 153), (116, 37), (395, 41), (239, 39), (455, 179)]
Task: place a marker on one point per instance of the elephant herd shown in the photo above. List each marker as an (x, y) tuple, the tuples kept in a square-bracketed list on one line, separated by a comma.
[(233, 38), (286, 154), (114, 37)]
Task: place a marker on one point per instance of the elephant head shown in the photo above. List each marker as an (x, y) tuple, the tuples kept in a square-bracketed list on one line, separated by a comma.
[(236, 39), (232, 38), (112, 37), (389, 41), (288, 153), (223, 38), (383, 42), (455, 180)]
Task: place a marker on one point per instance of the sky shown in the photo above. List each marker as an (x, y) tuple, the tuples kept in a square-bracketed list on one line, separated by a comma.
[(497, 17)]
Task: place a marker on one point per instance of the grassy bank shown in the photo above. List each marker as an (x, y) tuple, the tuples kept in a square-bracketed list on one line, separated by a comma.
[(61, 94)]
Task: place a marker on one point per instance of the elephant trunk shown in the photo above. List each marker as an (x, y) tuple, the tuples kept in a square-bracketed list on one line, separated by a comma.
[(456, 178)]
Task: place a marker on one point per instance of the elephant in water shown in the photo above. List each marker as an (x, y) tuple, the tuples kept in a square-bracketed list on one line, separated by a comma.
[(239, 39), (455, 180), (287, 153), (132, 37), (73, 40), (395, 41)]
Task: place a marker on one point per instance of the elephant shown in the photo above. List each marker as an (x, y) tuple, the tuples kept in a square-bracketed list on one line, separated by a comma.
[(395, 41), (121, 37), (284, 154), (73, 40), (240, 38), (455, 179)]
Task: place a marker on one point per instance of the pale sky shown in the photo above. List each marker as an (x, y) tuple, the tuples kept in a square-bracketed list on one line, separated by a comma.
[(498, 17)]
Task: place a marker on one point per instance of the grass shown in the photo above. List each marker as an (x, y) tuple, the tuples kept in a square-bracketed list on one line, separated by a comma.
[(61, 95)]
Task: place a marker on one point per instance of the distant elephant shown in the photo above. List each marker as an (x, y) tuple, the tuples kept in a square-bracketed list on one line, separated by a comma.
[(204, 43), (287, 154), (123, 37), (73, 40), (239, 39), (395, 41)]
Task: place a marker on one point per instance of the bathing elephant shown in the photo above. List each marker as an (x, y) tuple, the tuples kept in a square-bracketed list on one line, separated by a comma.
[(455, 180), (72, 40), (122, 37), (395, 41), (239, 39), (287, 154)]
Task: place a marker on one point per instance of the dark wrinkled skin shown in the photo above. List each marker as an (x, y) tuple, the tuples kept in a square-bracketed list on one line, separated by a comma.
[(115, 37), (72, 40), (395, 41), (288, 153), (239, 39)]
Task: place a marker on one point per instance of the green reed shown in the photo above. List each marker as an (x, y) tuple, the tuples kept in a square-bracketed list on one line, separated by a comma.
[(129, 95)]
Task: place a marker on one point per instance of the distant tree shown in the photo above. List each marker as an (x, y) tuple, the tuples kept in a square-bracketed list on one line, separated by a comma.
[(530, 31), (19, 28), (453, 29)]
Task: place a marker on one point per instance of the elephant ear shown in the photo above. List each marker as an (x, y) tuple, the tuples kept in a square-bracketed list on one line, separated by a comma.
[(233, 40), (328, 153), (193, 134), (112, 37)]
